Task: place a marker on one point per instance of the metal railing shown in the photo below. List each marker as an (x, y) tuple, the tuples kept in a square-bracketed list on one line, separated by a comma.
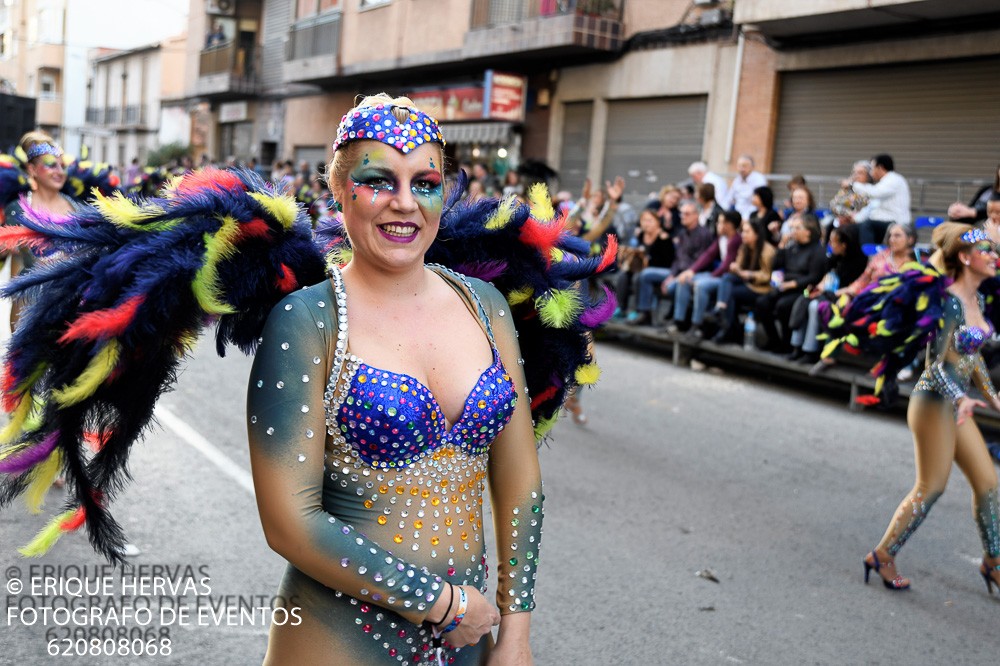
[(491, 13), (316, 36), (238, 61)]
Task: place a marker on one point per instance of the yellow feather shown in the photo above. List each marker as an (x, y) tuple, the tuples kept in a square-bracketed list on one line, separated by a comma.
[(502, 216), (218, 247), (588, 374), (879, 383), (543, 427), (922, 302), (518, 296), (41, 480), (283, 207), (124, 212), (829, 348), (47, 536), (17, 418), (541, 203), (100, 367), (559, 307)]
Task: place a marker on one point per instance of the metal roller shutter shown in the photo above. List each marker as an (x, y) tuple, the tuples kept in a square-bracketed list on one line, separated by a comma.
[(938, 120), (577, 118), (651, 142)]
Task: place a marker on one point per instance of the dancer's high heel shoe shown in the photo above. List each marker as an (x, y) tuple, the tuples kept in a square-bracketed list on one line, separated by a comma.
[(987, 571), (897, 583)]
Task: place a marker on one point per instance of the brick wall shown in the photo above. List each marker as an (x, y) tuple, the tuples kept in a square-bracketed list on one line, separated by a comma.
[(757, 105)]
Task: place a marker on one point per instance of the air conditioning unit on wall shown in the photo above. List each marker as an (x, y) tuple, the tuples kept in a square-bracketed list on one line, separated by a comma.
[(221, 7)]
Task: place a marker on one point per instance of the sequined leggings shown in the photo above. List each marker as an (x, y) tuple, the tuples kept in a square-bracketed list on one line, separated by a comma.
[(938, 441)]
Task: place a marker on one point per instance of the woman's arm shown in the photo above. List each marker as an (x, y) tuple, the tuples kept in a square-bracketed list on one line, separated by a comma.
[(286, 424), (515, 495)]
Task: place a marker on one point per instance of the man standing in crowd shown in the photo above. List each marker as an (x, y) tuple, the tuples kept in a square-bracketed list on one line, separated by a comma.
[(888, 201), (700, 174), (740, 192)]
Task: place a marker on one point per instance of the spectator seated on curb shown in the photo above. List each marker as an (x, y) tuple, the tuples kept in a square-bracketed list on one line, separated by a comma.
[(844, 265), (710, 210), (799, 265), (701, 280), (690, 241), (650, 246), (748, 278)]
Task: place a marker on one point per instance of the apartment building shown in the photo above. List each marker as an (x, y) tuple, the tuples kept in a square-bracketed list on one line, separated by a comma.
[(125, 115), (33, 56)]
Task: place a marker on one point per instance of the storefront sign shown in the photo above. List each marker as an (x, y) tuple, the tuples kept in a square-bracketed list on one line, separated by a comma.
[(233, 112), (506, 96), (465, 103), (501, 97)]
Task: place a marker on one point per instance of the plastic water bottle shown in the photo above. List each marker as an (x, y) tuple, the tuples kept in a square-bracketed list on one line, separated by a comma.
[(749, 333)]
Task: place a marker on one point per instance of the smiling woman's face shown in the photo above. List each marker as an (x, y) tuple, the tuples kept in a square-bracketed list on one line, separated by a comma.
[(391, 202)]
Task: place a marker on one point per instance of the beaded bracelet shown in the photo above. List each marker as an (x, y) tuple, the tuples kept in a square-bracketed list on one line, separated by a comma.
[(457, 620)]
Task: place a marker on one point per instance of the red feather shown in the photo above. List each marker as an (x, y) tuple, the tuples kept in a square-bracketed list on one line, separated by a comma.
[(867, 400), (106, 323), (541, 236), (210, 179), (15, 236), (287, 281), (255, 228), (852, 350), (610, 254), (74, 521), (547, 394), (95, 440)]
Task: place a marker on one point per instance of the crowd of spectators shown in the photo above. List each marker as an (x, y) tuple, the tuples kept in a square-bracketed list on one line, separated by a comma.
[(703, 254)]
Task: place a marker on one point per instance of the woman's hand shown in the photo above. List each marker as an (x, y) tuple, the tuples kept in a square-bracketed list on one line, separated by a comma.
[(480, 618), (513, 647), (965, 407)]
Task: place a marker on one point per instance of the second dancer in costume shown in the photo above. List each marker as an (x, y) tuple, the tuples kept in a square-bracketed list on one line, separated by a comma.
[(940, 409)]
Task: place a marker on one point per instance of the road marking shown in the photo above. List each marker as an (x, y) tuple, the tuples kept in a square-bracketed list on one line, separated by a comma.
[(193, 438)]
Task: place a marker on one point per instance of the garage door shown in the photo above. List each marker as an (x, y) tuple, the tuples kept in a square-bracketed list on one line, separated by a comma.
[(577, 117), (938, 120), (651, 142)]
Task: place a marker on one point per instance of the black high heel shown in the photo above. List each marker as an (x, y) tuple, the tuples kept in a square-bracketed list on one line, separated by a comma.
[(895, 584), (986, 572)]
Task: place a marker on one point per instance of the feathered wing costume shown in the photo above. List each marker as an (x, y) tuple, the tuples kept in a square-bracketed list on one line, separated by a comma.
[(894, 320), (138, 281)]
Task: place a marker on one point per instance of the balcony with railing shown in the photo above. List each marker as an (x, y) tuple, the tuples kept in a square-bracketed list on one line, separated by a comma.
[(229, 70), (313, 49), (792, 21), (133, 116), (544, 27)]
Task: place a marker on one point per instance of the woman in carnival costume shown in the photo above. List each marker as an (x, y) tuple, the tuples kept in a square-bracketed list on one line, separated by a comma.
[(381, 399), (39, 177), (941, 306)]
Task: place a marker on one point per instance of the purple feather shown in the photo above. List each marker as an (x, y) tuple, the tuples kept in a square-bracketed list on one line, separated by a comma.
[(29, 457), (484, 270), (924, 321), (600, 313)]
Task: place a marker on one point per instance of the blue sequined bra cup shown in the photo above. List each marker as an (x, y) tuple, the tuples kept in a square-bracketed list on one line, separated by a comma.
[(970, 339), (392, 420)]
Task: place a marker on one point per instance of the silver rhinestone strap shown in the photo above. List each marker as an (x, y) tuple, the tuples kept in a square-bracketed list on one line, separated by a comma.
[(337, 387)]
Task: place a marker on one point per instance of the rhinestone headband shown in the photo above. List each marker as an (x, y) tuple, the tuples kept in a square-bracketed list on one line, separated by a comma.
[(976, 235), (40, 149), (378, 123)]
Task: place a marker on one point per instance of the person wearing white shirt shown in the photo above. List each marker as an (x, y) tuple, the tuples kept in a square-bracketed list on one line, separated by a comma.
[(700, 174), (740, 192), (888, 201)]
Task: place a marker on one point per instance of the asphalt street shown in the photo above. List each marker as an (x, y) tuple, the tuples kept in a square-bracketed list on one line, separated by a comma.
[(772, 495)]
